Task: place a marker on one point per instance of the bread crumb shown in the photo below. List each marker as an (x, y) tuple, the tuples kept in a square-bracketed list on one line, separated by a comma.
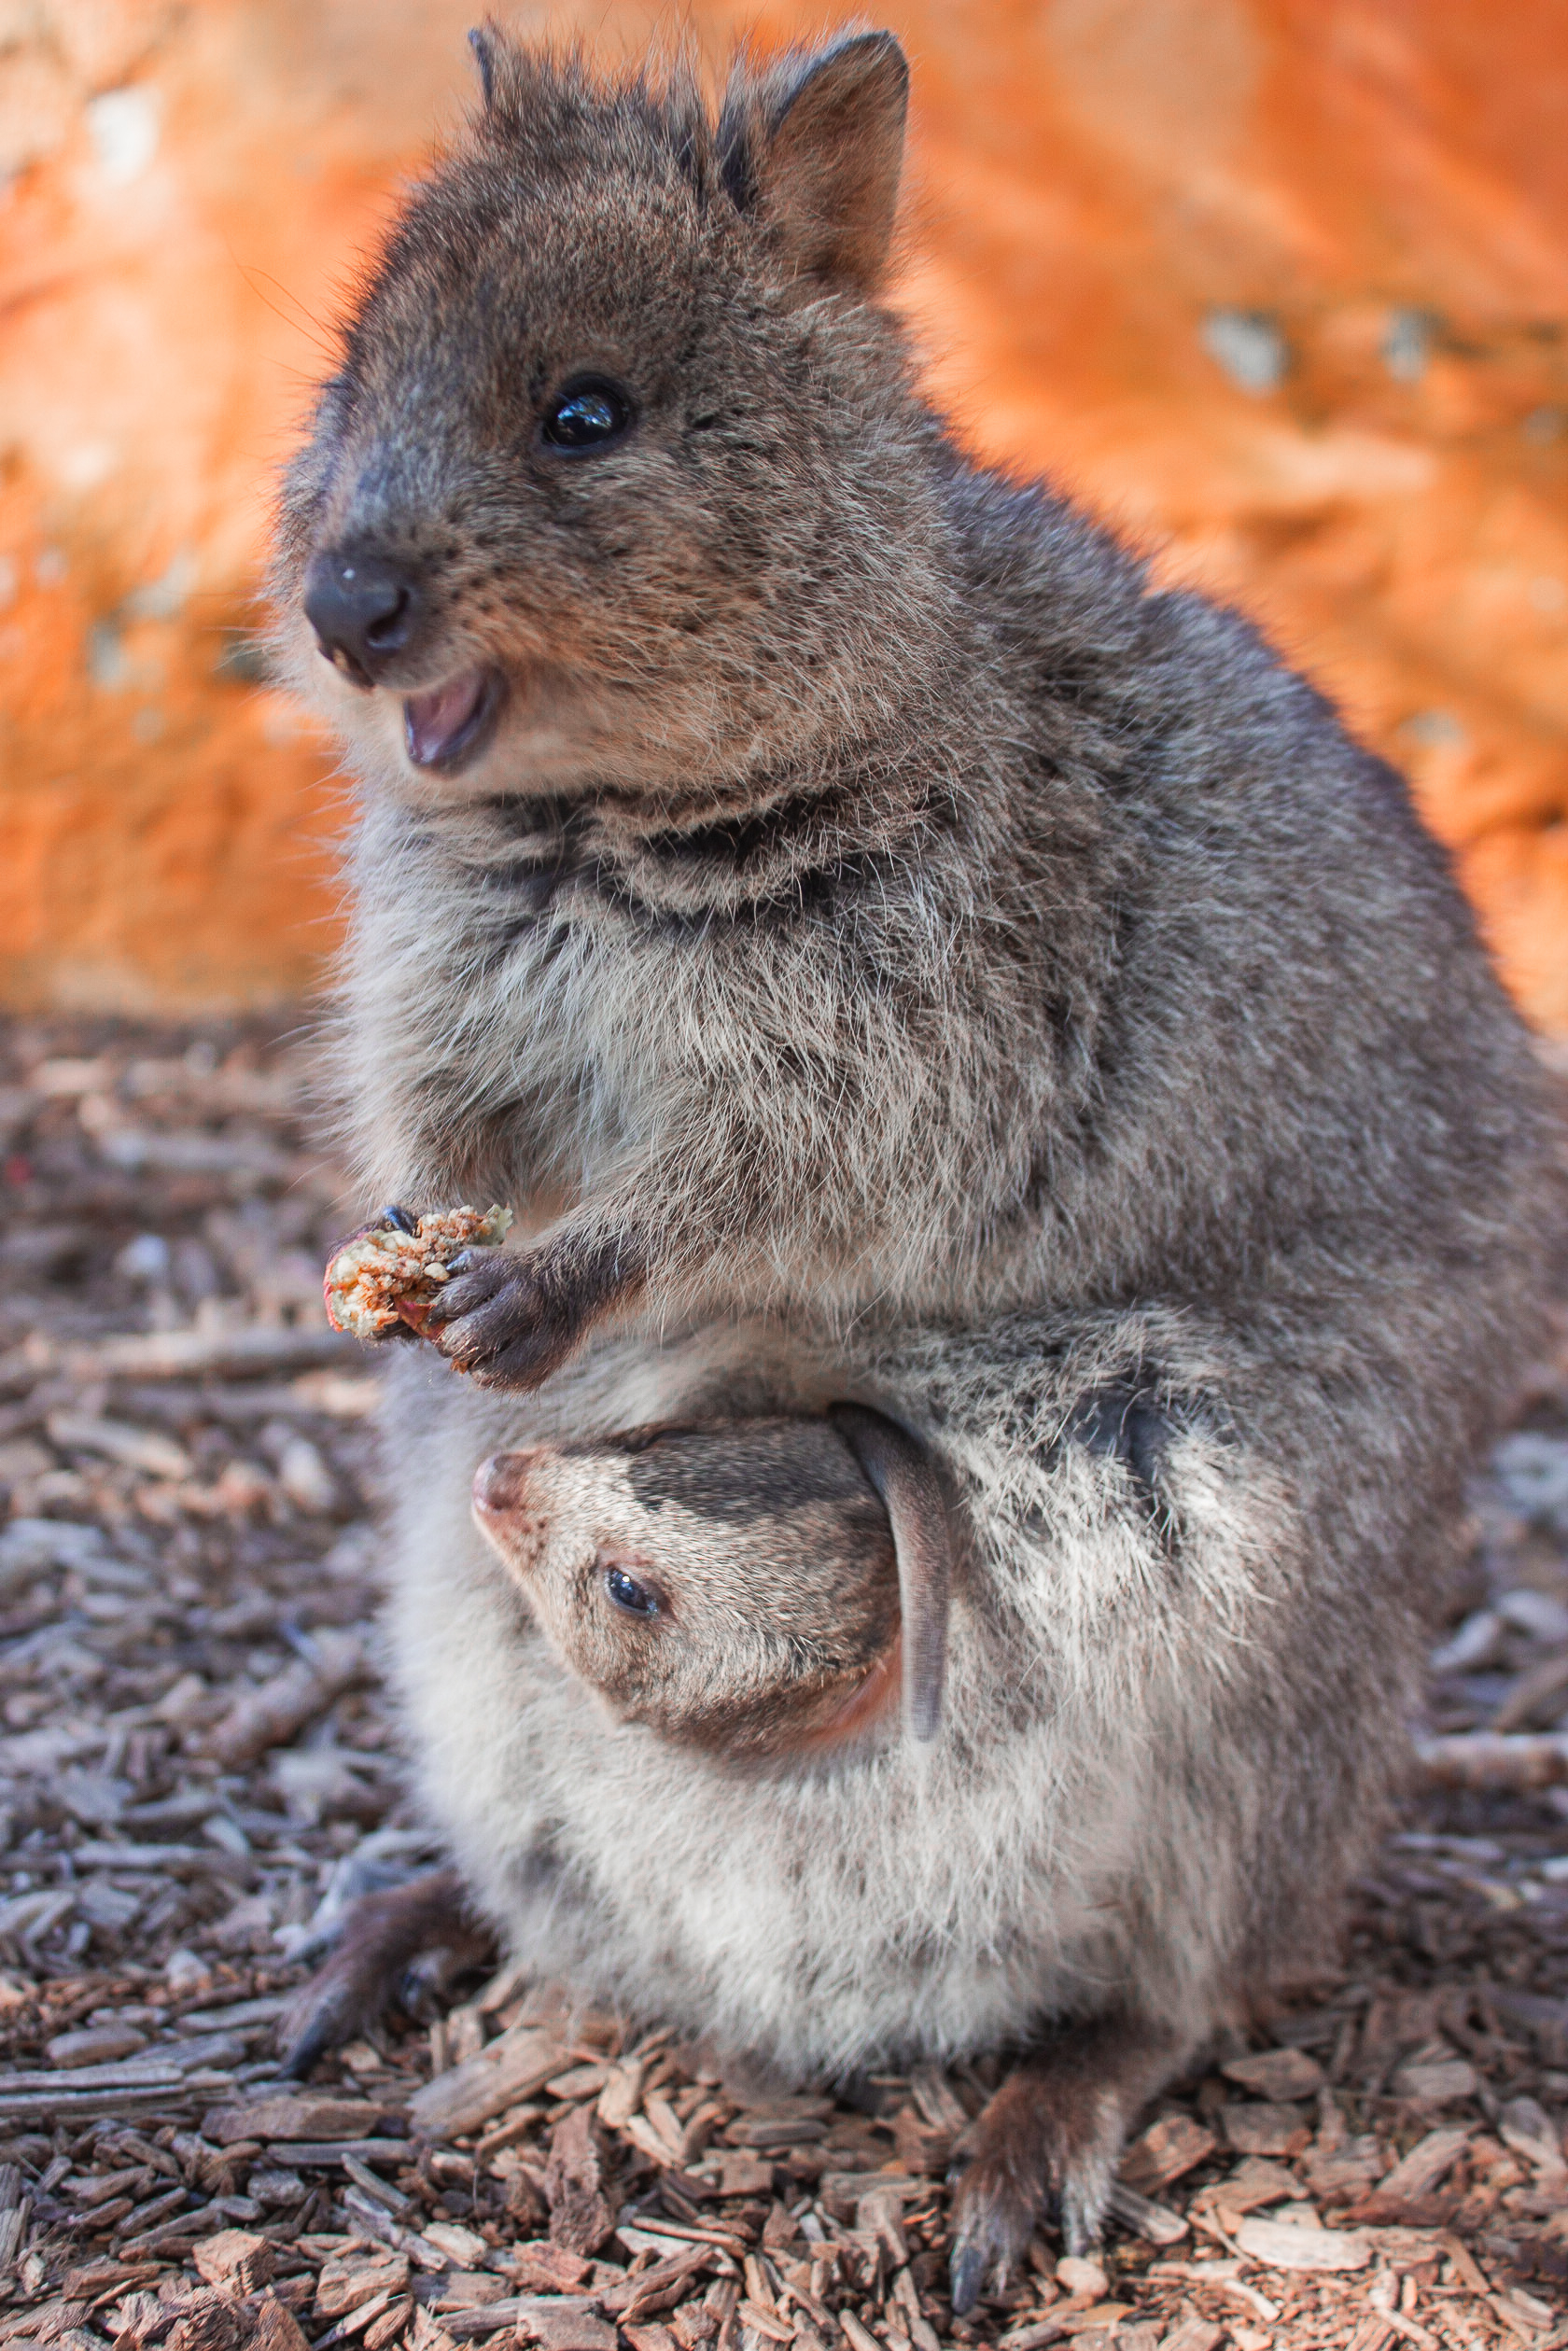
[(378, 1277)]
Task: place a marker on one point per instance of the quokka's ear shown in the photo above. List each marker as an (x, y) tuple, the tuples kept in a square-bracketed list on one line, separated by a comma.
[(486, 40), (922, 1544), (815, 149)]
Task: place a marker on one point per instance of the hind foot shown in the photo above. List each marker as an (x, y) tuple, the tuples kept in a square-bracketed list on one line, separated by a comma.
[(385, 1933), (1055, 2128)]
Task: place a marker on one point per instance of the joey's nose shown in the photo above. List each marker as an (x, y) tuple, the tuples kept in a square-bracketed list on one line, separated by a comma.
[(501, 1482), (365, 608)]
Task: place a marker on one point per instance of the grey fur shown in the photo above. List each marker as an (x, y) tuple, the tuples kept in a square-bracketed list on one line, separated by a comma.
[(877, 914)]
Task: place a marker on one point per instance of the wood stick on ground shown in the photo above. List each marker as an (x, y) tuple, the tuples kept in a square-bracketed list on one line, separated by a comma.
[(1485, 1759)]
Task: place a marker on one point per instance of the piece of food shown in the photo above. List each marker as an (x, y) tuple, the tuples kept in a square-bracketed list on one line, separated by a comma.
[(385, 1276)]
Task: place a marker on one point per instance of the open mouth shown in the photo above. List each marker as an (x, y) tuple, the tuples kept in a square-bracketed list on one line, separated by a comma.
[(448, 724)]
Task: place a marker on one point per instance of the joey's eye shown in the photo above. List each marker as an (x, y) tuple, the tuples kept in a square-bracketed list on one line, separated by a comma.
[(588, 415), (627, 1593)]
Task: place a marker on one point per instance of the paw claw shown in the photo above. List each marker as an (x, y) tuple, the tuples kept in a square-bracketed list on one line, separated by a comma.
[(331, 2008), (1086, 2192), (993, 2217), (967, 2275)]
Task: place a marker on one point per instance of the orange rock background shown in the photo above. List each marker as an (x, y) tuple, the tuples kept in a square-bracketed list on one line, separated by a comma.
[(1279, 286)]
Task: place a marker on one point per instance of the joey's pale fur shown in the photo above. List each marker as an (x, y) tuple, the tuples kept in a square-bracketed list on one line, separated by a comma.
[(1049, 1847), (886, 949)]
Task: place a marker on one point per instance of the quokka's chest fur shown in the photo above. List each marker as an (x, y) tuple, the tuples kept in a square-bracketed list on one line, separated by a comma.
[(534, 1008)]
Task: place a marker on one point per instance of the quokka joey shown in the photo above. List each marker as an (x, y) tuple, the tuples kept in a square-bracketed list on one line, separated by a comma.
[(758, 1589), (884, 947)]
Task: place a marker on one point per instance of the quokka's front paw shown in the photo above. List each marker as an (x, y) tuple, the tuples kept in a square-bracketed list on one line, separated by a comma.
[(511, 1321), (498, 1321)]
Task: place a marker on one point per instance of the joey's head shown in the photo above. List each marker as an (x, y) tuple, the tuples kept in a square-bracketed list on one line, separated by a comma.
[(734, 1588), (622, 481)]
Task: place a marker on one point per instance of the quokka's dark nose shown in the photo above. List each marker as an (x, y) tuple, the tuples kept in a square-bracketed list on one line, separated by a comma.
[(365, 608)]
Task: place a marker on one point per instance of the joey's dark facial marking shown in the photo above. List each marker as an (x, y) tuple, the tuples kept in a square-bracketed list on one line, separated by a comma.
[(736, 1589)]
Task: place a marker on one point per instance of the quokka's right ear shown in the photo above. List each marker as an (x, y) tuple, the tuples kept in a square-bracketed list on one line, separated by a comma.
[(814, 148), (898, 1468)]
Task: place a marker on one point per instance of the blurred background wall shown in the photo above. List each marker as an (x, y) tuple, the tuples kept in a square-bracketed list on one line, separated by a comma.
[(1279, 286)]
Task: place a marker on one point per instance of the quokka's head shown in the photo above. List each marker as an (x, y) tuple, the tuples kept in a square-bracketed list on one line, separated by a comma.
[(622, 481)]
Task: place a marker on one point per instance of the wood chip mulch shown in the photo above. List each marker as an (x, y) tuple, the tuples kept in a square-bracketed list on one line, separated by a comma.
[(195, 1763)]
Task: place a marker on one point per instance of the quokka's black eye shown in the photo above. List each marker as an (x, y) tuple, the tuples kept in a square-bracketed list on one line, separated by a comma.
[(627, 1593), (587, 415)]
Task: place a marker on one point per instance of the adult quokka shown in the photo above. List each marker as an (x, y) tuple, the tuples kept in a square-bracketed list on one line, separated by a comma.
[(818, 880)]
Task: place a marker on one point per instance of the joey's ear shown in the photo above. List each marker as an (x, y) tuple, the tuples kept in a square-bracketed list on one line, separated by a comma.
[(905, 1479), (814, 148)]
